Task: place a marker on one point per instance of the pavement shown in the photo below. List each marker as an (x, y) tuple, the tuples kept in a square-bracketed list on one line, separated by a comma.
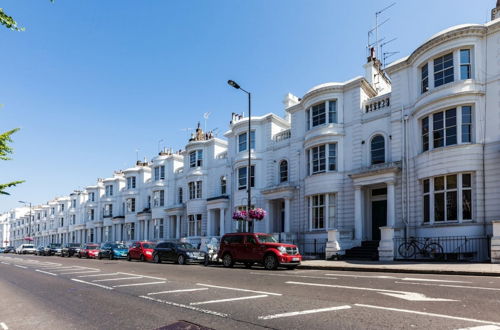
[(448, 268), (39, 292)]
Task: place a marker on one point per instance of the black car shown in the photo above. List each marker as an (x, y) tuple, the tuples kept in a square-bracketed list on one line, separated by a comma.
[(178, 252), (40, 250), (113, 251), (53, 249), (9, 249), (70, 249)]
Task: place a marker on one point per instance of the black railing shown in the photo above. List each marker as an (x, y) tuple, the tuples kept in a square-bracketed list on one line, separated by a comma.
[(309, 248), (443, 248)]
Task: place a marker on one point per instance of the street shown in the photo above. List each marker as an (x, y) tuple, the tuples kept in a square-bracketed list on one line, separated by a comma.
[(70, 293)]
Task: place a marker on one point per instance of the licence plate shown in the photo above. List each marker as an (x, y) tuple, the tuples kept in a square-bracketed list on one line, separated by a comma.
[(295, 259)]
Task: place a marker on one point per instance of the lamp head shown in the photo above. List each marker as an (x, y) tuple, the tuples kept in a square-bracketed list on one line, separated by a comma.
[(233, 84)]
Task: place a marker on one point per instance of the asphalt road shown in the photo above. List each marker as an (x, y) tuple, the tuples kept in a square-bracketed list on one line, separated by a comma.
[(70, 293)]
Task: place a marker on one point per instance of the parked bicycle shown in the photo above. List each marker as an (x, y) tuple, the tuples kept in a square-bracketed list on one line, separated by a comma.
[(428, 249)]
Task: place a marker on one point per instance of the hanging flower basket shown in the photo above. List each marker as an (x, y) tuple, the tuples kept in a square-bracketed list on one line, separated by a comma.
[(257, 214), (240, 215)]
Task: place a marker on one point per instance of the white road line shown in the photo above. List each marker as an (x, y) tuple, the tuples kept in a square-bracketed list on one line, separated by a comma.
[(428, 314), (42, 271), (90, 283), (117, 279), (226, 300), (482, 327), (60, 268), (311, 311), (388, 277), (452, 286), (21, 266), (411, 296), (145, 276), (175, 291), (4, 326), (105, 274), (5, 263), (138, 284), (292, 275), (236, 289), (201, 310), (82, 272)]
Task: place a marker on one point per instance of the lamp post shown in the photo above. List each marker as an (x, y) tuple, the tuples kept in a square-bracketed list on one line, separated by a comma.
[(29, 221), (249, 169)]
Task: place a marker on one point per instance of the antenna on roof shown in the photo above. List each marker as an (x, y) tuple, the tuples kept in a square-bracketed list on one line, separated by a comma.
[(377, 41), (386, 55), (187, 129), (205, 116)]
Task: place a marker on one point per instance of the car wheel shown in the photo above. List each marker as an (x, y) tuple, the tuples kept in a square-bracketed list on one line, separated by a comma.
[(227, 260), (181, 260), (270, 262), (142, 258), (128, 257), (99, 256), (157, 259), (79, 256), (206, 262), (111, 256), (248, 264)]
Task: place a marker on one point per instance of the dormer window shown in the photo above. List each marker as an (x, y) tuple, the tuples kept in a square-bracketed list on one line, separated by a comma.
[(322, 113), (243, 141), (131, 182), (196, 158)]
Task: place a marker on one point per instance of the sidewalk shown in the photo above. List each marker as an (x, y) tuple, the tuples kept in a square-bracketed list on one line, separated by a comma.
[(449, 268)]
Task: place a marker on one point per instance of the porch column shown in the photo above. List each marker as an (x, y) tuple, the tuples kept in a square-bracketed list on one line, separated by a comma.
[(209, 223), (391, 201), (287, 216), (269, 218), (222, 221), (178, 226), (358, 213)]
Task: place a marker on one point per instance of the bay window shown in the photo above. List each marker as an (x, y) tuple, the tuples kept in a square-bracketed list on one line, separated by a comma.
[(465, 64), (158, 198), (322, 211), (242, 177), (243, 141), (159, 173), (196, 158), (195, 189), (317, 159), (321, 113), (130, 205), (131, 182), (443, 70)]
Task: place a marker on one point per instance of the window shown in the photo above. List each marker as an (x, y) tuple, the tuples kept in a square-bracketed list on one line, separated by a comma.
[(157, 228), (61, 222), (321, 113), (195, 189), (443, 70), (242, 177), (377, 150), (243, 141), (179, 192), (108, 210), (61, 207), (131, 182), (158, 198), (223, 185), (73, 203), (283, 171), (465, 64), (130, 205), (91, 214), (73, 219), (109, 190), (425, 78), (92, 197), (317, 160), (442, 128), (196, 158), (447, 198), (159, 173), (198, 189), (322, 211), (194, 225)]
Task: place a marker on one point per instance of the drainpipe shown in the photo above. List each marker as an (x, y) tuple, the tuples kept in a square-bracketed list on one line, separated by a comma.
[(484, 139), (407, 159), (403, 172)]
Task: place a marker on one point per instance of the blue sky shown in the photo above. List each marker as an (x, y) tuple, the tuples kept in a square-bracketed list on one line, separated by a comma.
[(89, 82)]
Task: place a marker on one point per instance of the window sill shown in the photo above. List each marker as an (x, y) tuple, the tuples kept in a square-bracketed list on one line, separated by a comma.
[(453, 146), (449, 224)]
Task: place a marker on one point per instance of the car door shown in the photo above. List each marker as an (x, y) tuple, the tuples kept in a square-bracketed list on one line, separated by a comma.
[(249, 250), (238, 247)]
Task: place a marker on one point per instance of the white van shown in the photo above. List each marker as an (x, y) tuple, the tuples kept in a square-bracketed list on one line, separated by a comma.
[(25, 249)]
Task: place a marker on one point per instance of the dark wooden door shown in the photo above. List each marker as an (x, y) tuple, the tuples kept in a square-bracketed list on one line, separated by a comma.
[(379, 218)]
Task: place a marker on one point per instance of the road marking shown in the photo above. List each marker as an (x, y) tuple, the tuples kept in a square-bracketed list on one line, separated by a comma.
[(138, 284), (4, 326), (95, 284), (453, 286), (201, 310), (5, 263), (42, 271), (397, 278), (117, 279), (411, 296), (145, 276), (428, 314), (311, 311), (21, 266), (292, 275), (226, 300), (60, 268), (98, 275), (175, 291), (482, 327), (236, 289), (82, 272)]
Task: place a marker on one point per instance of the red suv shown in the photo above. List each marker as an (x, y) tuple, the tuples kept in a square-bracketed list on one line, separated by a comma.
[(250, 248), (141, 251)]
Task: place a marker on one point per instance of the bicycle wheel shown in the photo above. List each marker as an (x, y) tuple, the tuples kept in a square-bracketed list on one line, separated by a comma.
[(434, 250), (406, 250)]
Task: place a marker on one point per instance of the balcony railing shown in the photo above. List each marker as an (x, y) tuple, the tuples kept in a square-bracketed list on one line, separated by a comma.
[(284, 135), (377, 104)]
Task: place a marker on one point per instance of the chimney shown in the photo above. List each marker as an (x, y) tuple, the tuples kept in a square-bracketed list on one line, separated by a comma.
[(495, 12)]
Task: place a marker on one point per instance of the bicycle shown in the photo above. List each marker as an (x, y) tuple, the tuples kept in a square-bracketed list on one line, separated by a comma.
[(427, 249)]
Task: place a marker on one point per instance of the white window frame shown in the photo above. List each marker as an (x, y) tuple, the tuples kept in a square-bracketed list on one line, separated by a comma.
[(131, 182), (109, 190), (159, 173), (131, 206), (329, 208), (241, 185), (195, 225), (329, 112), (329, 159), (196, 158), (243, 142)]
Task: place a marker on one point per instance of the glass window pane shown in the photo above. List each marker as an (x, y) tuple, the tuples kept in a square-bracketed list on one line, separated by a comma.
[(439, 207), (451, 182), (332, 111), (465, 56), (439, 183), (451, 205), (467, 205), (466, 181), (426, 186), (465, 72), (426, 208)]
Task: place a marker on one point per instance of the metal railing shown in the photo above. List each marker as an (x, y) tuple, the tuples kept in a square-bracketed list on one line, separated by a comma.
[(443, 248), (309, 248)]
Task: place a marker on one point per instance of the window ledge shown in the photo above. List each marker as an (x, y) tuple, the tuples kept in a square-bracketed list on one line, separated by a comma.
[(453, 146), (449, 224)]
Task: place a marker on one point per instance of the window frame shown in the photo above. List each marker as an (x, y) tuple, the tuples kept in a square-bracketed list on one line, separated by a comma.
[(322, 161), (444, 70), (374, 161), (328, 210), (242, 186), (131, 182), (196, 158), (326, 113), (243, 141), (283, 171)]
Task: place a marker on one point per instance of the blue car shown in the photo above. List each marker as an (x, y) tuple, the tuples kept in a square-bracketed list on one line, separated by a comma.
[(113, 251)]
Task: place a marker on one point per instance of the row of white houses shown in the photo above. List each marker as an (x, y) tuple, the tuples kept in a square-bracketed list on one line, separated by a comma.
[(413, 148)]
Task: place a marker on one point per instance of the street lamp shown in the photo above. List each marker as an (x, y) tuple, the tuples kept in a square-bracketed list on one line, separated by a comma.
[(29, 222), (233, 84)]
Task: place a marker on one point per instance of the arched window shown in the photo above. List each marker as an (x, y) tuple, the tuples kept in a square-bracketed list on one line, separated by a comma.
[(283, 171), (223, 184), (377, 146)]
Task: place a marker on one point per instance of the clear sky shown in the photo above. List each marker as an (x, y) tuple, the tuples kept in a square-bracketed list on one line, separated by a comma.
[(91, 81)]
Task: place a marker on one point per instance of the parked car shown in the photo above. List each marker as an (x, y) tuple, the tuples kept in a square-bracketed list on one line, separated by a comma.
[(40, 250), (113, 251), (250, 248), (70, 249), (26, 249), (89, 251), (142, 251), (53, 249), (2, 249), (9, 249), (178, 252)]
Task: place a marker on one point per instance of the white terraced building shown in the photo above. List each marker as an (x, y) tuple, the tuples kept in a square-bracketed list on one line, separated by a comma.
[(412, 149)]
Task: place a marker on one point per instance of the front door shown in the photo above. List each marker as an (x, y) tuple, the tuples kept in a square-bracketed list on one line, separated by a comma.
[(379, 218)]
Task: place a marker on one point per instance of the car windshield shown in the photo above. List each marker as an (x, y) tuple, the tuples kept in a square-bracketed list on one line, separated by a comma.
[(148, 246), (185, 246), (93, 247), (55, 245), (74, 245), (267, 239), (29, 247), (119, 246)]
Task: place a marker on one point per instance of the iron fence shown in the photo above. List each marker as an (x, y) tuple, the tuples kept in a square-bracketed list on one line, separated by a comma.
[(443, 248), (309, 248)]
